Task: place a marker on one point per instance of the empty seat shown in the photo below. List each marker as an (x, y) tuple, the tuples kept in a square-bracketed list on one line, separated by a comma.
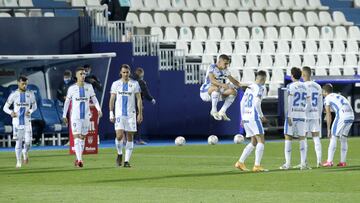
[(244, 18), (225, 47), (337, 60), (287, 4), (20, 14), (325, 18), (231, 19), (214, 34), (211, 48), (200, 34), (313, 33), (251, 61), (271, 33), (309, 60), (132, 17), (176, 4), (240, 47), (338, 46), (299, 33), (248, 76), (175, 19), (182, 45), (320, 71), (229, 34), (136, 5), (203, 19), (157, 31), (285, 33), (280, 61), (146, 20), (76, 3), (327, 33), (257, 33), (171, 34), (322, 60), (4, 15), (274, 4), (189, 19), (300, 5), (217, 19), (196, 48), (29, 3), (220, 5), (206, 4), (254, 47), (268, 47), (340, 33), (266, 61), (237, 61), (271, 19), (294, 60), (354, 33), (165, 5), (274, 89), (324, 46), (310, 46), (233, 5), (185, 34), (207, 59), (283, 47), (150, 5), (349, 71), (258, 19), (259, 5), (339, 19), (299, 19), (243, 33), (352, 46), (312, 18), (316, 4), (334, 71), (160, 19), (247, 4), (350, 60), (285, 19), (192, 5), (277, 76), (235, 73), (297, 46)]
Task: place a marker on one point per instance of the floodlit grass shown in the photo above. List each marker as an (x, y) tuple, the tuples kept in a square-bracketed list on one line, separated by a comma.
[(193, 173)]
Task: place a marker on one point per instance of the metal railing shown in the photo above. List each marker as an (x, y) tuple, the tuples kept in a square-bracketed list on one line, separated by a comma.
[(195, 73), (120, 31), (145, 45), (172, 59), (99, 23)]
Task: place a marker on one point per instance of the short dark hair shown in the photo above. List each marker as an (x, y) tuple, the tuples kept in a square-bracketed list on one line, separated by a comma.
[(80, 68), (126, 66), (22, 78), (139, 70), (296, 73), (307, 69), (67, 73), (224, 57), (261, 73), (87, 66), (328, 88)]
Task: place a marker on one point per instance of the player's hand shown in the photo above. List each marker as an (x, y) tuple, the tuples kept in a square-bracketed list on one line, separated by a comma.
[(100, 114), (264, 119), (112, 117), (139, 118), (290, 121), (329, 134), (28, 113), (13, 114), (242, 123), (65, 120), (153, 101)]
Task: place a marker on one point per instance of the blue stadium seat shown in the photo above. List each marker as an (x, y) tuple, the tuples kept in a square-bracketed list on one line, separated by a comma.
[(36, 91)]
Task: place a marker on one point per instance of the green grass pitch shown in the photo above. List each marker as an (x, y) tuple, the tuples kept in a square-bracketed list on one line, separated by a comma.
[(193, 173)]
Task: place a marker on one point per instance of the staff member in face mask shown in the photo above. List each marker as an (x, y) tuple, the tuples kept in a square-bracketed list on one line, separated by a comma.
[(64, 86), (92, 79), (145, 94)]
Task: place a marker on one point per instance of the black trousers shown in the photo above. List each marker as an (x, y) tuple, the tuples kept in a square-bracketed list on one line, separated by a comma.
[(123, 13)]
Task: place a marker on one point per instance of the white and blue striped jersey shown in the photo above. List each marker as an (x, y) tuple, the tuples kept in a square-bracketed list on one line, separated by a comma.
[(23, 102), (80, 100), (220, 76), (315, 103), (340, 105), (249, 109), (125, 97), (298, 94)]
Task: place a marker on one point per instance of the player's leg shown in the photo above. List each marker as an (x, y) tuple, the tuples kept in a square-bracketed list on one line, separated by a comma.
[(259, 153), (229, 95), (215, 96), (129, 148), (18, 137), (287, 146), (119, 146), (27, 144), (318, 148), (76, 126), (344, 143), (248, 149), (332, 144)]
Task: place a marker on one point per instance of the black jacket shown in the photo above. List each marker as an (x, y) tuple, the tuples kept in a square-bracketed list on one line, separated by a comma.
[(62, 90), (145, 93)]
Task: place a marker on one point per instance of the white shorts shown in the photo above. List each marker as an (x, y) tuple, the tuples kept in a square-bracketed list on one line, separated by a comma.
[(313, 125), (80, 126), (253, 127), (341, 127), (206, 97), (126, 123), (297, 129), (24, 133)]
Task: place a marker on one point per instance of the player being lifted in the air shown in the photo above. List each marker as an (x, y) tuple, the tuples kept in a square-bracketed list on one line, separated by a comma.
[(215, 88), (24, 104), (295, 126), (344, 118), (252, 118), (123, 93), (80, 94)]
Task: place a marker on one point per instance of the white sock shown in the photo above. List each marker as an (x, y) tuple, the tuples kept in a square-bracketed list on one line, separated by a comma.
[(306, 147), (128, 150), (214, 100), (119, 146), (332, 148), (259, 153), (77, 147), (317, 145), (302, 152), (246, 152), (82, 147), (18, 150), (287, 151), (344, 148), (228, 101), (26, 149)]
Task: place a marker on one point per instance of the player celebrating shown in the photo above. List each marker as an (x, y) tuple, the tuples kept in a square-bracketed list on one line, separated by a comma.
[(344, 117), (24, 105), (124, 91), (215, 87), (252, 117), (295, 119), (80, 94)]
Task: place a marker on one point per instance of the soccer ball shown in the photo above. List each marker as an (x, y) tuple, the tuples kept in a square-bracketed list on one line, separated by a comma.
[(213, 139), (238, 139), (180, 141)]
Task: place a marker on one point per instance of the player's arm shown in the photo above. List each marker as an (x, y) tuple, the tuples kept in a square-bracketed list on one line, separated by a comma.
[(66, 105), (216, 83), (33, 105), (242, 107), (140, 107), (7, 105), (328, 119), (289, 108), (234, 81), (97, 105), (257, 104), (320, 106), (111, 107)]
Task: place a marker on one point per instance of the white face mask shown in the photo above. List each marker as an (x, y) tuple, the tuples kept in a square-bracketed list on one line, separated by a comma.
[(141, 76), (67, 80)]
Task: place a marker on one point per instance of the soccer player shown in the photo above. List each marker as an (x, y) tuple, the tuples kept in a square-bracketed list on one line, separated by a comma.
[(252, 117), (344, 118), (124, 92), (24, 105), (80, 94), (215, 87), (295, 126), (313, 112)]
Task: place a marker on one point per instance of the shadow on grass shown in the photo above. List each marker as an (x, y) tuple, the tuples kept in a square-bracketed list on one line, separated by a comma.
[(29, 170)]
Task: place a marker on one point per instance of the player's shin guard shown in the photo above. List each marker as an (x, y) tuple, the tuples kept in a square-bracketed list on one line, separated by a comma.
[(302, 152), (119, 146), (287, 151), (128, 150), (228, 101), (77, 147), (332, 148), (18, 146), (214, 100), (247, 151), (82, 147), (344, 149), (259, 153), (317, 145)]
